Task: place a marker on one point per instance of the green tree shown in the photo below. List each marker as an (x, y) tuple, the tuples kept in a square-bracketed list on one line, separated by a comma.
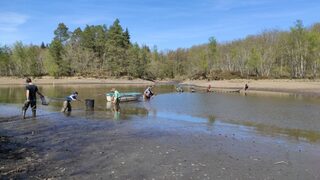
[(212, 53), (298, 46), (20, 61), (57, 51), (34, 61), (5, 61), (116, 50), (42, 46), (50, 65), (62, 34), (254, 62)]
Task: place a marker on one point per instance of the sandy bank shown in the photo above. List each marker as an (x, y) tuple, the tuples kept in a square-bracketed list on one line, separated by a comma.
[(71, 80), (276, 86), (304, 87)]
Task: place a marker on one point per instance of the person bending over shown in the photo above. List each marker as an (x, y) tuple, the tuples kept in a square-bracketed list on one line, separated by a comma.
[(148, 93), (67, 103)]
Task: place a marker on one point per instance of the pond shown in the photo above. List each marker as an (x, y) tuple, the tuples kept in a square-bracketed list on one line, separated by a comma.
[(293, 117)]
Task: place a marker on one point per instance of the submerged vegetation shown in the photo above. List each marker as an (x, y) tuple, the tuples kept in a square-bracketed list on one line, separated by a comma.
[(101, 51)]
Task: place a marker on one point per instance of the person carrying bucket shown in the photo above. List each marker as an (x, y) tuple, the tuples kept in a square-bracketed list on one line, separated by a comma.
[(31, 92), (116, 99), (67, 103)]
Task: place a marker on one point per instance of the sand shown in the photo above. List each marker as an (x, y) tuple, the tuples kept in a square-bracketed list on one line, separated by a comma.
[(71, 80), (303, 87)]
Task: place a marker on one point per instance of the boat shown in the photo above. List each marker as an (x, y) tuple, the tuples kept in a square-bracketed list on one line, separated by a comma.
[(125, 97)]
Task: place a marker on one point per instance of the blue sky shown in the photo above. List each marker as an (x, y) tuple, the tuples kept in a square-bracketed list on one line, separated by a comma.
[(168, 24)]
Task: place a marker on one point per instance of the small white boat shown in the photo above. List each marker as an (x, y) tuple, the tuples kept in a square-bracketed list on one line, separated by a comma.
[(124, 97)]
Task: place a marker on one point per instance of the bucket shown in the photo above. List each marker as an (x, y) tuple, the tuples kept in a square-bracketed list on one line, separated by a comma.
[(89, 104)]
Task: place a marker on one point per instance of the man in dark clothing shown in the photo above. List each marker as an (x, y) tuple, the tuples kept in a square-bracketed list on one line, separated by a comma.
[(246, 87), (31, 92)]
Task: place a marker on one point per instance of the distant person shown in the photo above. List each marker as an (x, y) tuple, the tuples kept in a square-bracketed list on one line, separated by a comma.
[(246, 87), (116, 99), (67, 103), (31, 91), (209, 88), (179, 89), (192, 89), (148, 93)]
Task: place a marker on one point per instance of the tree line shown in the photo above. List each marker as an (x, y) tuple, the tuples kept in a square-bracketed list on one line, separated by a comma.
[(101, 51)]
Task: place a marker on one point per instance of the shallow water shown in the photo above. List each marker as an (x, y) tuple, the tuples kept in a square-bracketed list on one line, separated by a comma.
[(292, 117)]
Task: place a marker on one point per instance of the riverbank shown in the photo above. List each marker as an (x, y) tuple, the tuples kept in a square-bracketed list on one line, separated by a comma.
[(47, 80), (275, 86), (301, 87)]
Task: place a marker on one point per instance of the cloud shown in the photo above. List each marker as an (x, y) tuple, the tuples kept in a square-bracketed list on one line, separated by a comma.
[(10, 21)]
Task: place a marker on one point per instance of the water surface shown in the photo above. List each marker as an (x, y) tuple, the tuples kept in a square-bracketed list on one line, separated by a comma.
[(293, 117)]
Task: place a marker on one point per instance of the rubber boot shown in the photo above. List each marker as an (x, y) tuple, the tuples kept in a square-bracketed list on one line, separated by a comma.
[(24, 114), (34, 113)]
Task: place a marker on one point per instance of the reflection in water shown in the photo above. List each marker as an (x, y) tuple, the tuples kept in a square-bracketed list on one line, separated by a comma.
[(298, 134), (211, 119), (67, 113), (125, 111), (108, 105), (180, 117), (116, 115), (263, 129)]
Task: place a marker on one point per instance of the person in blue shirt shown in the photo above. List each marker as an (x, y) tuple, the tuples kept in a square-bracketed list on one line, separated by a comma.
[(67, 102), (116, 99)]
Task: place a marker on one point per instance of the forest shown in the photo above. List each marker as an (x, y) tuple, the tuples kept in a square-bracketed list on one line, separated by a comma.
[(103, 51)]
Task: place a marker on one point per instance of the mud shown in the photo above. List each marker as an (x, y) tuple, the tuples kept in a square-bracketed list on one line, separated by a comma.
[(55, 146)]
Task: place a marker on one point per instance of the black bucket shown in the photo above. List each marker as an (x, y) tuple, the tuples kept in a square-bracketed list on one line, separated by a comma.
[(89, 104)]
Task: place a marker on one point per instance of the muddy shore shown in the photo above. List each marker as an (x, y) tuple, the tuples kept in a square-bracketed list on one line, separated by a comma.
[(55, 146), (275, 86), (300, 87)]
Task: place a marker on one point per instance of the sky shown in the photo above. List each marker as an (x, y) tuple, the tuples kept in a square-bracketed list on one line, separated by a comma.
[(166, 24)]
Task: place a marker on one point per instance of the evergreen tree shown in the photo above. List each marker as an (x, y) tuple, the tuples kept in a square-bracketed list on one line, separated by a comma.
[(116, 50), (57, 50), (61, 33), (42, 46)]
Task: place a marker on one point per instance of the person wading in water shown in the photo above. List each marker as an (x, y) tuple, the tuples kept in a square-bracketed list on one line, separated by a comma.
[(116, 99), (31, 92), (148, 93), (67, 102)]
